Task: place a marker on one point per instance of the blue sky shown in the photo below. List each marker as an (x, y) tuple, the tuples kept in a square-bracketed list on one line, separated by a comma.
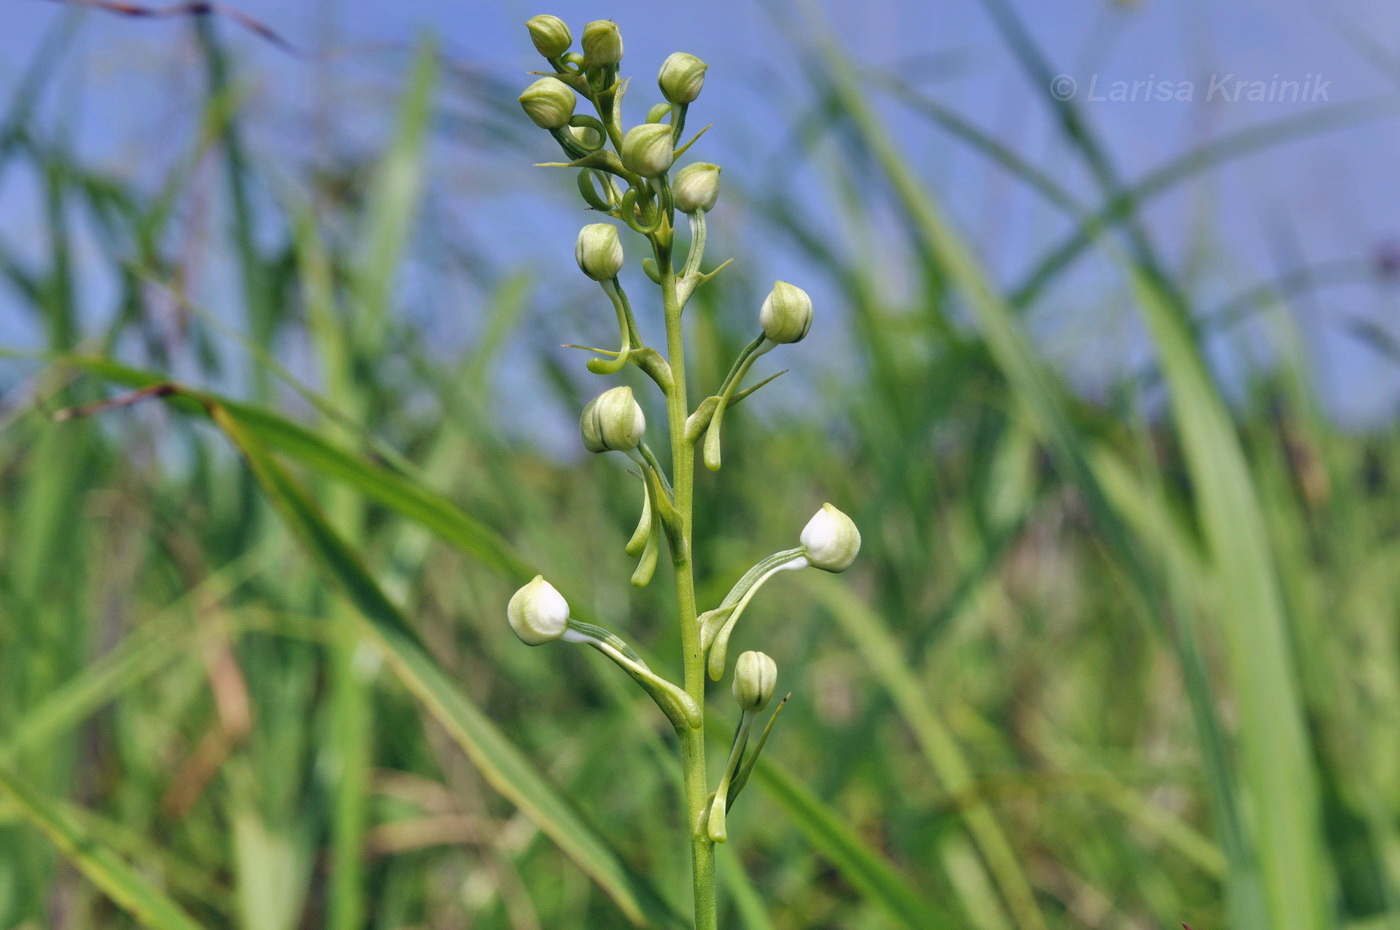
[(1322, 198)]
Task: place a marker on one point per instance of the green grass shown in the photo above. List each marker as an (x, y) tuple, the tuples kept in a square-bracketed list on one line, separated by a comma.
[(1099, 664)]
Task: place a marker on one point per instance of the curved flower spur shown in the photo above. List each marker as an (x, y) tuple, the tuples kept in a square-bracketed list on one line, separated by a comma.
[(626, 173)]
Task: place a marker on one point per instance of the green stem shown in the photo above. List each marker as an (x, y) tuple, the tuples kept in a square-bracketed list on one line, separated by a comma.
[(683, 474)]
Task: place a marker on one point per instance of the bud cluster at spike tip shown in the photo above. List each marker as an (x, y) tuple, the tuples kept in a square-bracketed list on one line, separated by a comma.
[(648, 149), (538, 613), (831, 540), (598, 251), (755, 677), (548, 103), (612, 422), (786, 315), (696, 187)]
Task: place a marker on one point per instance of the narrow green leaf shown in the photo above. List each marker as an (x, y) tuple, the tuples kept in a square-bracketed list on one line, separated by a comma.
[(433, 511), (867, 872), (119, 881), (885, 656), (498, 760), (1131, 199), (1277, 770), (394, 194), (747, 901), (1040, 395)]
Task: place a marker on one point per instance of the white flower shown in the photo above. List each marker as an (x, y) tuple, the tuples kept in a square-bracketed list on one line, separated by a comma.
[(612, 422), (831, 540), (602, 44), (681, 77), (548, 103), (598, 251), (696, 187), (538, 613), (755, 676), (786, 315), (550, 35), (648, 149)]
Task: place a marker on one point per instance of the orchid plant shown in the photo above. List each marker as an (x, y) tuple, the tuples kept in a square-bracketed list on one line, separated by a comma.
[(628, 174)]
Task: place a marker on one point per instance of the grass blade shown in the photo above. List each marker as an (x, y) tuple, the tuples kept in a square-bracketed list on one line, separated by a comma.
[(1127, 201), (885, 656), (1037, 390), (1276, 756), (119, 881), (393, 490), (500, 763), (867, 872), (393, 201)]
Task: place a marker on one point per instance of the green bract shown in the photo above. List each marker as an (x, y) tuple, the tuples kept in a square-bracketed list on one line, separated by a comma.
[(548, 103), (648, 149)]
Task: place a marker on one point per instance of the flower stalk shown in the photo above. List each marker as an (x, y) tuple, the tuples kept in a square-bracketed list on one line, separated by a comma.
[(633, 184)]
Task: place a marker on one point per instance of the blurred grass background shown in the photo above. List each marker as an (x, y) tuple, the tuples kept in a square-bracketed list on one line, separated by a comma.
[(1122, 658)]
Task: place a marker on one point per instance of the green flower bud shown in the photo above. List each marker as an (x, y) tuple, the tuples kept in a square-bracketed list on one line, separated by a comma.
[(548, 103), (598, 251), (696, 187), (787, 313), (755, 676), (538, 613), (602, 44), (647, 149), (612, 422), (550, 34), (681, 77), (831, 540)]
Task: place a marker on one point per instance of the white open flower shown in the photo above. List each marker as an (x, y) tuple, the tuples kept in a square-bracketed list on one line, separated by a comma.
[(538, 613), (831, 540)]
